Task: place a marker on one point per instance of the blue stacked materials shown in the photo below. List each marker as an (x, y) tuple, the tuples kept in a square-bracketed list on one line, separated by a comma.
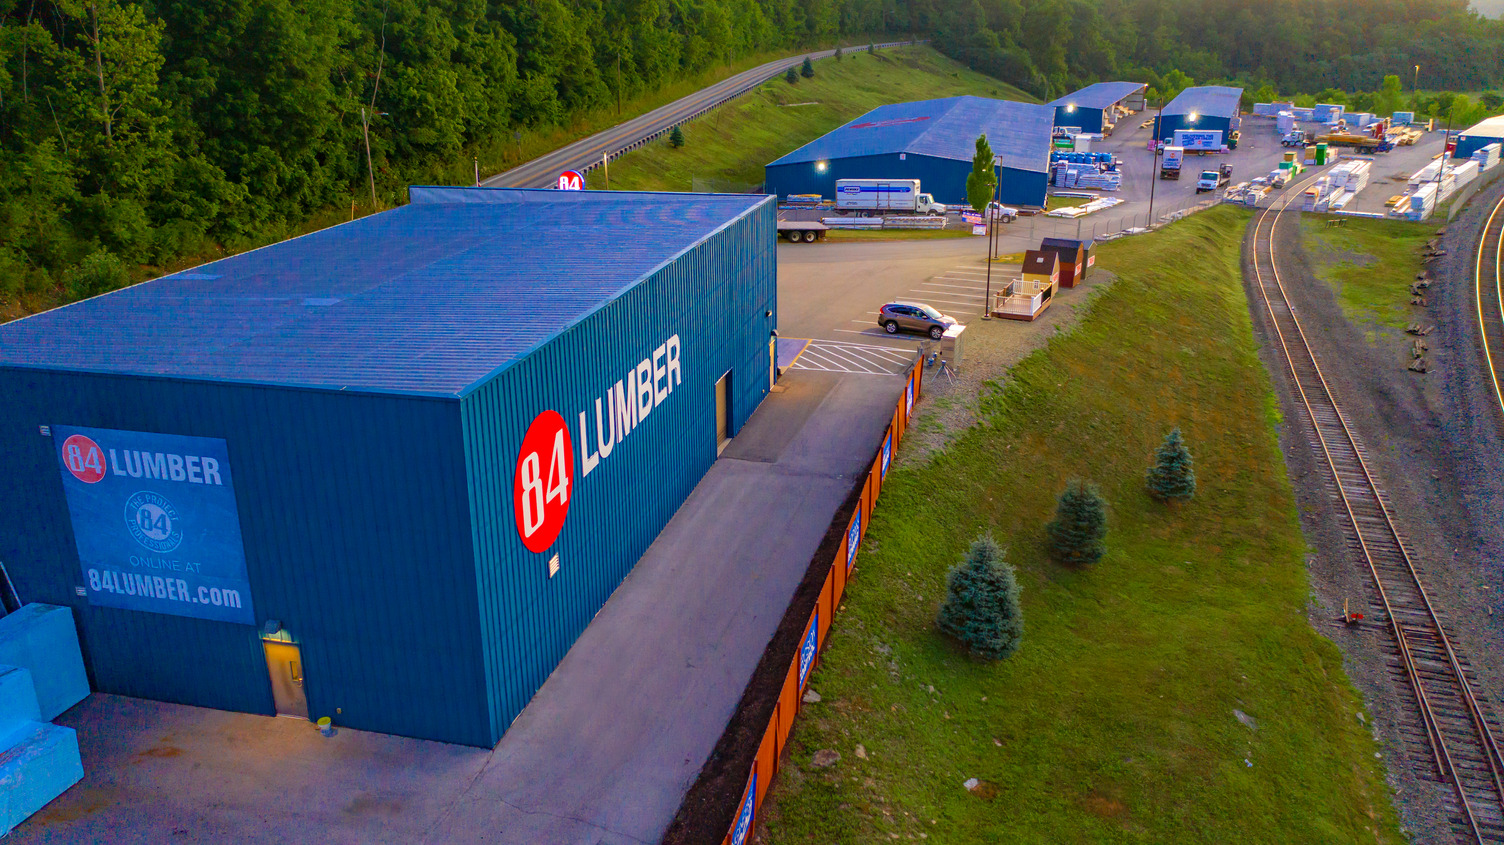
[(1089, 176), (1104, 159)]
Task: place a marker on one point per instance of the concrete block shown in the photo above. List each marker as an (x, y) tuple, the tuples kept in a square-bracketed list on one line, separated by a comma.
[(18, 699), (41, 639), (40, 764)]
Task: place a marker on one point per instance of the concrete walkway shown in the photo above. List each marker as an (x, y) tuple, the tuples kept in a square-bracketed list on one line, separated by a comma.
[(606, 750)]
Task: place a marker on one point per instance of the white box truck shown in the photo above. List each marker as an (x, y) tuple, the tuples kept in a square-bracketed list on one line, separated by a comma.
[(1191, 139), (901, 195), (1169, 165)]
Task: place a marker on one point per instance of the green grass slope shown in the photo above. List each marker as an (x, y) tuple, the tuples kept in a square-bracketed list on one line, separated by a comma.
[(1115, 721), (1370, 264), (732, 143)]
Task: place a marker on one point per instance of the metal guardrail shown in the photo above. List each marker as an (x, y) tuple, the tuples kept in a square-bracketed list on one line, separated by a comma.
[(589, 153)]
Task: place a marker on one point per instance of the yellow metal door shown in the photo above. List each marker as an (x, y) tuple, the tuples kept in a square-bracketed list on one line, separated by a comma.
[(285, 665)]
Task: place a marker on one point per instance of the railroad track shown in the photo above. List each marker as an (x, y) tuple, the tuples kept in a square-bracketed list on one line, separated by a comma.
[(1452, 734), (1489, 297)]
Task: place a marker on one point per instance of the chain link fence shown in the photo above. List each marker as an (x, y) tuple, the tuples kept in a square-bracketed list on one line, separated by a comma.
[(1105, 225)]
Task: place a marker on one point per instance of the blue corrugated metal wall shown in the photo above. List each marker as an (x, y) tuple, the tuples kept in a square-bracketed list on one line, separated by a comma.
[(942, 178), (356, 533), (1469, 144), (1090, 120), (715, 297)]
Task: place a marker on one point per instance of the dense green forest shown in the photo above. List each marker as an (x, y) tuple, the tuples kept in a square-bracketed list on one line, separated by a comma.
[(138, 135)]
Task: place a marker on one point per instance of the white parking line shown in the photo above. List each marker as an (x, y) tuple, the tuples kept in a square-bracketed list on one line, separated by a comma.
[(871, 333), (961, 295), (958, 287), (895, 352), (949, 301)]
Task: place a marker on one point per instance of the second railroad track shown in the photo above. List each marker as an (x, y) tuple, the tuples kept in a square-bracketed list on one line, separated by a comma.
[(1445, 723)]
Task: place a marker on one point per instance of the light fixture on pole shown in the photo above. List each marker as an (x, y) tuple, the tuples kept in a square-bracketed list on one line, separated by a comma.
[(991, 232)]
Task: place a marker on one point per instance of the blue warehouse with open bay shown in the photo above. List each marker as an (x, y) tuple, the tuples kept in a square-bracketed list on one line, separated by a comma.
[(933, 141), (386, 472)]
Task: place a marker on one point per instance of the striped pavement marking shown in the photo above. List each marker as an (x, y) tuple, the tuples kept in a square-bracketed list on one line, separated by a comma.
[(835, 356)]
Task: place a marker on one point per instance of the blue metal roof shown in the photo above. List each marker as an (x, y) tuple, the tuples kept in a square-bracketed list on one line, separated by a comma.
[(430, 298), (1213, 100), (1018, 132), (1100, 95)]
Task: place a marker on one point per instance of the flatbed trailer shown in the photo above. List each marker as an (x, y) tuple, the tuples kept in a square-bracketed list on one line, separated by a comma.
[(808, 231)]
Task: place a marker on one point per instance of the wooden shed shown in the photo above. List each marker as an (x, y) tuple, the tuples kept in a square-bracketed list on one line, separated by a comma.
[(1075, 259)]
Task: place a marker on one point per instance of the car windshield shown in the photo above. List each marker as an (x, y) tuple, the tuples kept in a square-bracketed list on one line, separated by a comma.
[(930, 312)]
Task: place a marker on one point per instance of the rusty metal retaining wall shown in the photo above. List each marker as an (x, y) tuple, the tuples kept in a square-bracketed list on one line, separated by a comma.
[(770, 752)]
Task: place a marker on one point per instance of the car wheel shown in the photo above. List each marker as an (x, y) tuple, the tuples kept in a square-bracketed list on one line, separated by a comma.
[(891, 327), (936, 332)]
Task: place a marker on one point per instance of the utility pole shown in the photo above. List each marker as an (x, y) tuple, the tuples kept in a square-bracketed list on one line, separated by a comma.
[(1154, 170), (365, 125), (476, 159), (991, 233)]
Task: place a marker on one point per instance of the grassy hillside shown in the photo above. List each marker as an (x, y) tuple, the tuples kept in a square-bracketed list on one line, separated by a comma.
[(732, 143), (1118, 719)]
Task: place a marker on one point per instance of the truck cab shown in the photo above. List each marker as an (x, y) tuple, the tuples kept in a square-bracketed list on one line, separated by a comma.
[(925, 204), (1296, 138), (1211, 180)]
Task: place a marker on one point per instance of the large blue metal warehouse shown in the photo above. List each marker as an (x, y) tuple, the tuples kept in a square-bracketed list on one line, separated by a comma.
[(932, 141), (1490, 131), (1210, 108), (1090, 109), (389, 471)]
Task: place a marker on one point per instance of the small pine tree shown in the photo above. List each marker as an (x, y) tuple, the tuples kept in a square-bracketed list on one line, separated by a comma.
[(981, 604), (676, 138), (791, 77), (808, 70), (1079, 526), (838, 54), (871, 49), (1172, 478)]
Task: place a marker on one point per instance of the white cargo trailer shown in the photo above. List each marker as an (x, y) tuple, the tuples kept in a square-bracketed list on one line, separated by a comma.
[(885, 195), (1199, 141)]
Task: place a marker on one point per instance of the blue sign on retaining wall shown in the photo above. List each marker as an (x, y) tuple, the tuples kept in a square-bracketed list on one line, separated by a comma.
[(887, 455), (744, 816), (853, 538), (809, 648), (155, 522)]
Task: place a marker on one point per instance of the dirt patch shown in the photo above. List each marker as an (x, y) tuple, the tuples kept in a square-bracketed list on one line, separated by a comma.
[(991, 348), (1407, 424)]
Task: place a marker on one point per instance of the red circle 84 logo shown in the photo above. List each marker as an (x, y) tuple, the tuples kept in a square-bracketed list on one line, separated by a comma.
[(543, 481), (83, 457)]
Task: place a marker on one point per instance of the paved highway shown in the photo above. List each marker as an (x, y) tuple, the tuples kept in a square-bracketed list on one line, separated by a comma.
[(583, 155)]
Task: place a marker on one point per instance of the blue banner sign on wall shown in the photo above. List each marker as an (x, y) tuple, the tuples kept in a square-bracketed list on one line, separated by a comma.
[(809, 648), (744, 816), (853, 538), (155, 522), (887, 456)]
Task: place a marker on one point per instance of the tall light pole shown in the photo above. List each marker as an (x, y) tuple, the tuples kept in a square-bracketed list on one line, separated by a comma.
[(1154, 170), (1415, 85)]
